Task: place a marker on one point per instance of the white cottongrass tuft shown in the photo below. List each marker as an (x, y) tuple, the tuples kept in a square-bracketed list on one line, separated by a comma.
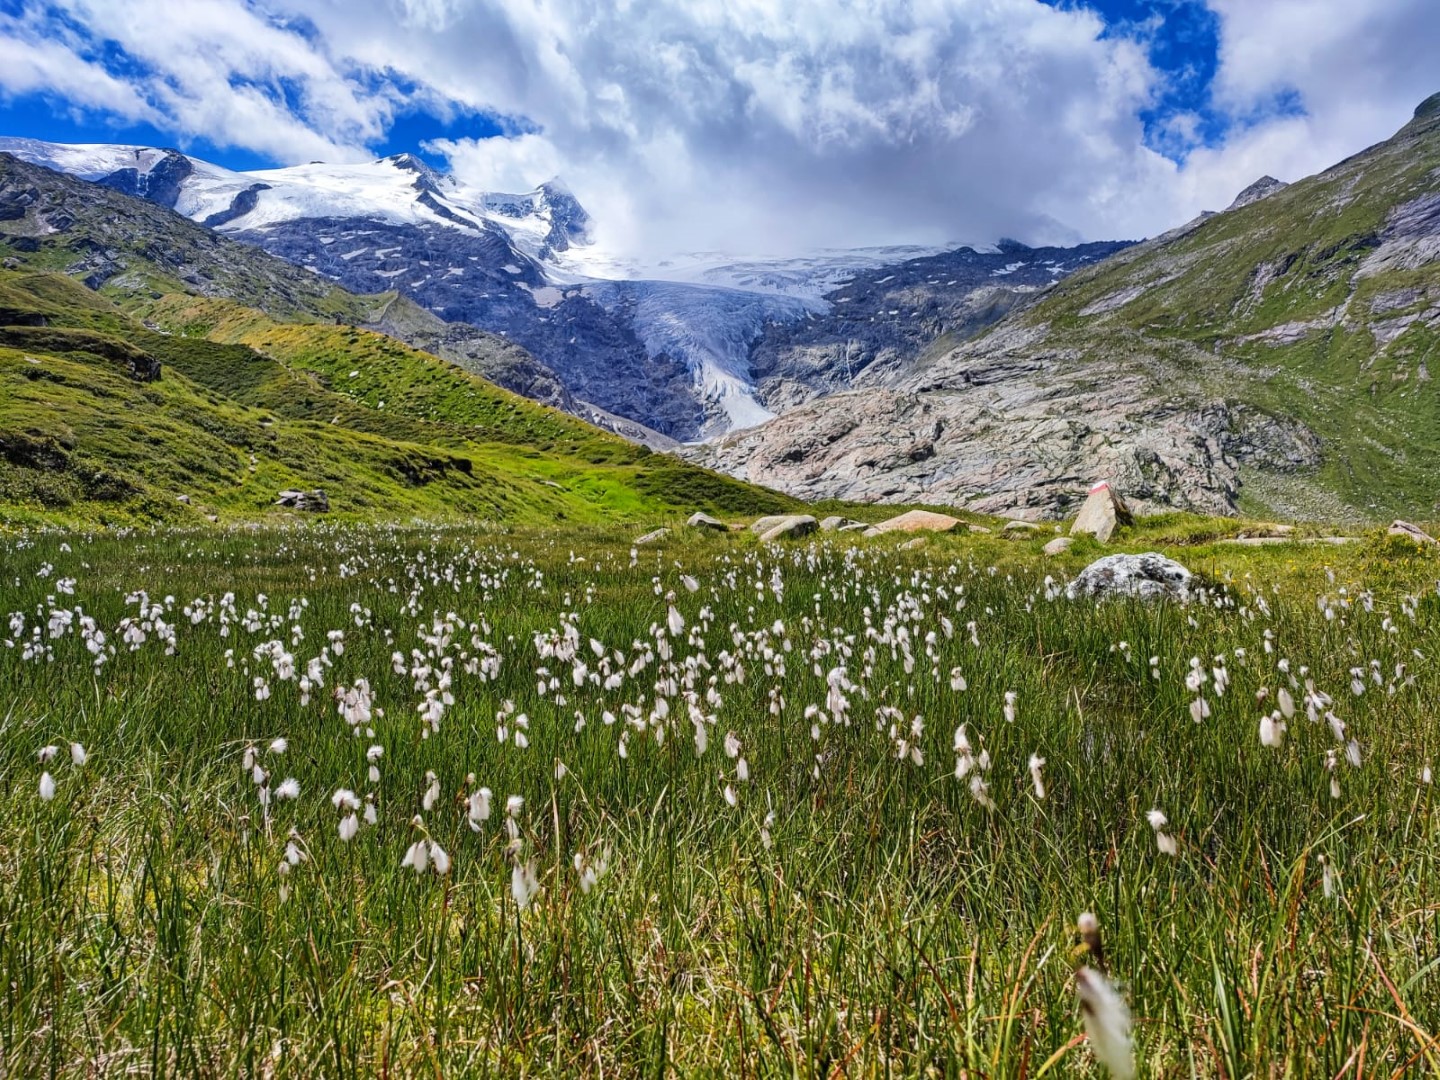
[(1107, 1022), (1158, 822), (1036, 764), (47, 786)]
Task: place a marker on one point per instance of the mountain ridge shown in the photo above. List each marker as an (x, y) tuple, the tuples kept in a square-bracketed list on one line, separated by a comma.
[(675, 353)]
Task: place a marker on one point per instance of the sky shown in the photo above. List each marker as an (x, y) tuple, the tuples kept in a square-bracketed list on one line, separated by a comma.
[(752, 126)]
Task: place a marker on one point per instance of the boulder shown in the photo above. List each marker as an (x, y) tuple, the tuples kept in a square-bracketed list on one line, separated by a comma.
[(313, 501), (653, 537), (918, 521), (1150, 576), (1059, 545), (1104, 511), (765, 524), (1414, 532), (705, 521), (789, 528), (840, 524)]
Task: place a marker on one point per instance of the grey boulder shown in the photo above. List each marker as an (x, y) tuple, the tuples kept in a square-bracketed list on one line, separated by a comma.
[(1150, 576)]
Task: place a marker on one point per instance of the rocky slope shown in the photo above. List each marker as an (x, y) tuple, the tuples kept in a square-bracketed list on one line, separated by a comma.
[(1273, 358), (884, 318)]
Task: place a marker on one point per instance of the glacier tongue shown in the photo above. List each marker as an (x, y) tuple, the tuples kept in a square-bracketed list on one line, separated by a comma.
[(711, 330)]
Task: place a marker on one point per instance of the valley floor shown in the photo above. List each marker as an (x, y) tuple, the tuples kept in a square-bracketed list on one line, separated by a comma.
[(356, 800)]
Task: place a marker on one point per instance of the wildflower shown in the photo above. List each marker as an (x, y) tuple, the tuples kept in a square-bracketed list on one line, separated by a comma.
[(1272, 730), (47, 754), (1036, 764), (1107, 1022), (1163, 839), (478, 807), (417, 856), (279, 746), (432, 793), (78, 756), (513, 805), (289, 789), (439, 859), (348, 827), (591, 868), (524, 884), (47, 786), (1286, 703), (1009, 706)]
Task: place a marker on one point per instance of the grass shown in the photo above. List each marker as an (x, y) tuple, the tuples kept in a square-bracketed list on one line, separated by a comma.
[(852, 913)]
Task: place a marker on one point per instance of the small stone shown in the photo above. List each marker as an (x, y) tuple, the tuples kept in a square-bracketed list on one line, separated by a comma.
[(839, 524), (705, 521), (653, 537), (1019, 528), (911, 545), (1059, 545), (185, 499)]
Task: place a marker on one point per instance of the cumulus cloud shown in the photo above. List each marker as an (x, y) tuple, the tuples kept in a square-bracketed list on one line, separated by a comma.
[(759, 126)]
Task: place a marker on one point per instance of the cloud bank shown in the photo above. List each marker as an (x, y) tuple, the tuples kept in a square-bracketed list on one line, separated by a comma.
[(754, 126)]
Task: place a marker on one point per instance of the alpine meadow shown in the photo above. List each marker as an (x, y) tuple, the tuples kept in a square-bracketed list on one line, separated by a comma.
[(686, 617)]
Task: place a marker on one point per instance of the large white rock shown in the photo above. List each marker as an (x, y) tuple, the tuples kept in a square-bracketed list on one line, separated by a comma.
[(917, 521), (1150, 576), (1104, 511)]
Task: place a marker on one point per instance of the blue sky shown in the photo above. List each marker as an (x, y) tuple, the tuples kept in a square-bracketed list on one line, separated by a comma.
[(752, 123)]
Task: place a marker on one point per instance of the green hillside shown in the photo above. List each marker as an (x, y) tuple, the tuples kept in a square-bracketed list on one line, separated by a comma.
[(146, 401)]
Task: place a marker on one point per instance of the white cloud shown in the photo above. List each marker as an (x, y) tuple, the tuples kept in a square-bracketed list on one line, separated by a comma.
[(760, 125)]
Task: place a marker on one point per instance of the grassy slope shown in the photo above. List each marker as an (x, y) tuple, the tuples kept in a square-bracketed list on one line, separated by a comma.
[(1208, 296), (247, 406)]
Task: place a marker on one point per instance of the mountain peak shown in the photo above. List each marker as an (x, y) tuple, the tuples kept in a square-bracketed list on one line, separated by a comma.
[(1266, 185)]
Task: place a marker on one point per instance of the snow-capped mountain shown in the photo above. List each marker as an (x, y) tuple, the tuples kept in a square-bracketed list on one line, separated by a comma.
[(673, 345)]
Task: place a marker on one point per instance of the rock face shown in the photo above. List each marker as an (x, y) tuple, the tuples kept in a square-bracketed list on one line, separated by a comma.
[(1104, 512), (1414, 532), (1147, 577), (917, 521), (1007, 425), (314, 502), (705, 521), (786, 527)]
